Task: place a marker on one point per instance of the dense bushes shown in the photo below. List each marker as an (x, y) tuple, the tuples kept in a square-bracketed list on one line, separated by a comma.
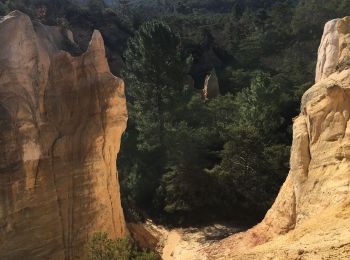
[(103, 248)]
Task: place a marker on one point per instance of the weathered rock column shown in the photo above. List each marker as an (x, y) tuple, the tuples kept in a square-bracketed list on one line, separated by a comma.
[(61, 121)]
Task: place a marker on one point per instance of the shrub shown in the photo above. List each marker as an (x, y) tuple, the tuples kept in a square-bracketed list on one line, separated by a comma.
[(103, 248)]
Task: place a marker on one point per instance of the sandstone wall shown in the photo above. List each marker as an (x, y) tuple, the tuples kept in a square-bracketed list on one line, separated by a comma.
[(61, 121)]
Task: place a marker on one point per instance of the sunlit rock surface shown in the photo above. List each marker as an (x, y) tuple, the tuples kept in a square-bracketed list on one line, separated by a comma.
[(211, 86), (61, 120), (328, 52)]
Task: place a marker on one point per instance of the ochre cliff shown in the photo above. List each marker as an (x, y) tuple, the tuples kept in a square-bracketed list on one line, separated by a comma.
[(310, 218), (61, 120)]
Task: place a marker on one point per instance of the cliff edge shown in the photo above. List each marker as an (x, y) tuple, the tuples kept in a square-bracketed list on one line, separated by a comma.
[(310, 218), (61, 121)]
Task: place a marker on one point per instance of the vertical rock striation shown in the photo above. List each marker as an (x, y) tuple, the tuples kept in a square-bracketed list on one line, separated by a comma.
[(61, 121), (311, 215)]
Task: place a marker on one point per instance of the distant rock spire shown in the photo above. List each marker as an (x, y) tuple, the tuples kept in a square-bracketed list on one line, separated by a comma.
[(211, 85)]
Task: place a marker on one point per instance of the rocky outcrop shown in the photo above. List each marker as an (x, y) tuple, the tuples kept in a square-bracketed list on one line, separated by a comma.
[(328, 52), (148, 235), (211, 86), (61, 120), (310, 218)]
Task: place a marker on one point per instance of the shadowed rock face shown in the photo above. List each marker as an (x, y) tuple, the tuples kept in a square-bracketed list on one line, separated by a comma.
[(61, 120), (310, 216)]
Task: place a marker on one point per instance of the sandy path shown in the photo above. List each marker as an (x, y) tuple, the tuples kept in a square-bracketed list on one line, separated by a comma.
[(185, 244)]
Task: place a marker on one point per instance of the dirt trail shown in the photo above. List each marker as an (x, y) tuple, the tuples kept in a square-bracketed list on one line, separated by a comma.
[(185, 243)]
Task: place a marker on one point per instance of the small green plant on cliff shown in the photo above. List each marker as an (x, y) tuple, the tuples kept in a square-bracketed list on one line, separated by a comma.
[(101, 247)]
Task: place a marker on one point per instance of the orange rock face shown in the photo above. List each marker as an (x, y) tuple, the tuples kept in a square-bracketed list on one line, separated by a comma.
[(61, 121)]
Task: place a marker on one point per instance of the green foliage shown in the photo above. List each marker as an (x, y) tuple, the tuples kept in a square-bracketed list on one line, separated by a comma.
[(147, 255), (240, 170), (103, 248), (317, 12), (259, 106), (245, 173), (185, 181), (250, 49), (96, 5), (154, 71)]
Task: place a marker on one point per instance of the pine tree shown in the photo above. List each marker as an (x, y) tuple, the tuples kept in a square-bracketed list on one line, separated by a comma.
[(155, 72)]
